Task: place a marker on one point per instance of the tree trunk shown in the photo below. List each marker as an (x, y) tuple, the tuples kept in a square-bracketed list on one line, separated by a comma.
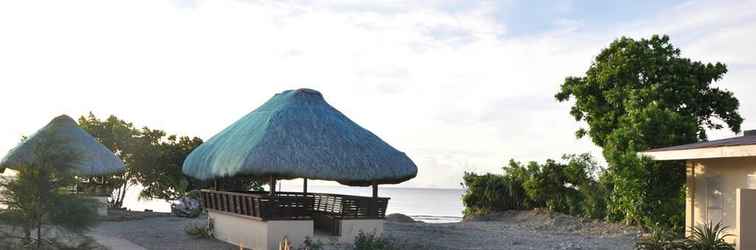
[(123, 194), (27, 235), (39, 234), (373, 209)]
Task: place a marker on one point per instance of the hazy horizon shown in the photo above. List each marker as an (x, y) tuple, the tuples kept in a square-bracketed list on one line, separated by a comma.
[(458, 86)]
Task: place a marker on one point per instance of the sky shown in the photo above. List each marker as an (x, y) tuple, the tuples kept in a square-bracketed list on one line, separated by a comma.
[(457, 85)]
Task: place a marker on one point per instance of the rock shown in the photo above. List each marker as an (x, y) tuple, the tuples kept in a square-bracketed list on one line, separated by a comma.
[(397, 217), (187, 206)]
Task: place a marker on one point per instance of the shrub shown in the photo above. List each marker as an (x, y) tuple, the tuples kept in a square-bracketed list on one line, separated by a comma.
[(309, 244), (704, 237), (661, 238), (572, 188), (709, 237), (489, 193), (369, 241), (200, 231)]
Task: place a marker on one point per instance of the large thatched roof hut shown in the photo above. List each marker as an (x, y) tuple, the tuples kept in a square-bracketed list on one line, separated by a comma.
[(296, 134), (92, 158)]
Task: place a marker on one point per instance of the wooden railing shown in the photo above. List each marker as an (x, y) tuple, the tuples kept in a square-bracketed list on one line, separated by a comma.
[(349, 206), (293, 206)]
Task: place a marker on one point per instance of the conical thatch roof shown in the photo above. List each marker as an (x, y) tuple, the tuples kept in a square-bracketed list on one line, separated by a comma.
[(298, 134), (93, 159)]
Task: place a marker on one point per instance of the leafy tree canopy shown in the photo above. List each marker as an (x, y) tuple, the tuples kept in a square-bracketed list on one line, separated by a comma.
[(153, 159), (647, 83), (641, 94)]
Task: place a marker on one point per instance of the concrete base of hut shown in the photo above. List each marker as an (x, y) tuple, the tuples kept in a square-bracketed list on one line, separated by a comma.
[(267, 235), (258, 234)]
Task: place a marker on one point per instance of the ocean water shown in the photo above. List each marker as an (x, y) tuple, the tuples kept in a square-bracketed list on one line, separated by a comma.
[(424, 204)]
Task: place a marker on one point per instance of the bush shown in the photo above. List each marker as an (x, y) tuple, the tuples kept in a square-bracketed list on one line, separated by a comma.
[(704, 237), (309, 244), (661, 238), (570, 188), (369, 241), (489, 193), (200, 231), (709, 237)]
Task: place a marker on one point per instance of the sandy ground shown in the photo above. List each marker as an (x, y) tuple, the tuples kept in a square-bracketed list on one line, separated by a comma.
[(156, 233), (501, 235), (515, 230)]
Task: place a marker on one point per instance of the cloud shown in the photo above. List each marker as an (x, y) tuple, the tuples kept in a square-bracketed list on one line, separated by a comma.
[(459, 86)]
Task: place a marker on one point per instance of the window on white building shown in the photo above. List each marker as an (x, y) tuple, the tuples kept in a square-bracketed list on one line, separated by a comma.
[(715, 200)]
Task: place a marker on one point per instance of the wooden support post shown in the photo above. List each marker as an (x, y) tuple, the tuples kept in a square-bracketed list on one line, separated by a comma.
[(304, 187), (272, 185), (373, 209)]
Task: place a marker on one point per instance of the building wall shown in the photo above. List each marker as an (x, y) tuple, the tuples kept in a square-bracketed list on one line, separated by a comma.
[(746, 224), (257, 234), (296, 231), (239, 231), (713, 185)]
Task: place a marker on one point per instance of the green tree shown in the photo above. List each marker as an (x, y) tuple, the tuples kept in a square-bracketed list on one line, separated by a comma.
[(154, 160), (38, 199), (158, 168), (641, 94), (121, 138)]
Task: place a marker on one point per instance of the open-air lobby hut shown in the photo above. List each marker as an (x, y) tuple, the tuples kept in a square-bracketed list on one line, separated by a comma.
[(296, 134), (92, 159)]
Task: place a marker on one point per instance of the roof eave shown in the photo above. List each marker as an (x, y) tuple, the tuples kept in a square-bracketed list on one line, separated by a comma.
[(702, 153)]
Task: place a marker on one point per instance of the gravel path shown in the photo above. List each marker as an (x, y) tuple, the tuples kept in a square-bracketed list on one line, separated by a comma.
[(114, 243), (159, 233)]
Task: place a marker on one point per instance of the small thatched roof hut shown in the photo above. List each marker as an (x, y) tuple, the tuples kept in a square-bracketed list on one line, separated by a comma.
[(298, 134), (93, 159)]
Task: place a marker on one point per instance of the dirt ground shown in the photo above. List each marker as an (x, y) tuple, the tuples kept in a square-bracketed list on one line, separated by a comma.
[(512, 230)]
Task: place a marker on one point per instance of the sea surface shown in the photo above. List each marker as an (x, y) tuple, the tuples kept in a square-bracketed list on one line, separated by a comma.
[(424, 204)]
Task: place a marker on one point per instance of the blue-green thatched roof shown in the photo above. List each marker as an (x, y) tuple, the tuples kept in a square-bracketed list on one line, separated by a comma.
[(92, 158), (298, 134)]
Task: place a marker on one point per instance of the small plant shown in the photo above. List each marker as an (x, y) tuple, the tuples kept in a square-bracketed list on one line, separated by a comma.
[(709, 237), (369, 241), (661, 238), (309, 244), (199, 231)]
